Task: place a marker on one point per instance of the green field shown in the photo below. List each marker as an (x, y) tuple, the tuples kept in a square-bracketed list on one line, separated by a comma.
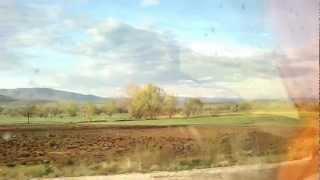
[(228, 120), (8, 120), (244, 119)]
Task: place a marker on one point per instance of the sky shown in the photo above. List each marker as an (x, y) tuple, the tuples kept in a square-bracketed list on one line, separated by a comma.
[(247, 49)]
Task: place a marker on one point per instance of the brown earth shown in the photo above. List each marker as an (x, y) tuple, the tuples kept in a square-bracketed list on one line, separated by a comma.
[(92, 144)]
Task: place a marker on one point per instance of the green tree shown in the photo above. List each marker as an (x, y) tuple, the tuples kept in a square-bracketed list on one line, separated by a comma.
[(71, 109), (243, 107), (193, 106), (1, 109), (41, 110), (89, 110), (110, 108), (28, 111), (170, 105), (146, 102), (54, 109), (12, 112)]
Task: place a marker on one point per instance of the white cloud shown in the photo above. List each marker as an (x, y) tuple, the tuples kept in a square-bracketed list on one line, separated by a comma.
[(295, 26), (132, 53), (186, 90), (255, 88), (224, 50), (145, 3), (27, 25), (115, 54)]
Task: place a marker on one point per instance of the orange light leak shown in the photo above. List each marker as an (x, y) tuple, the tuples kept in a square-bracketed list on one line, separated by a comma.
[(295, 24), (306, 142), (304, 145)]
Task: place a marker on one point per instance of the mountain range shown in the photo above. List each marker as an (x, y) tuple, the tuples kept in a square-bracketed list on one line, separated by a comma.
[(6, 99), (47, 94)]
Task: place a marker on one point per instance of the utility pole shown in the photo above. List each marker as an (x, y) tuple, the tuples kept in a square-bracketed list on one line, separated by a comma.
[(28, 115)]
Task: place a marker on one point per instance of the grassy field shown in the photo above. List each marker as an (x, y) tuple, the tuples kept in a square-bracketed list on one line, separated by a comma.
[(244, 119), (107, 146), (227, 120), (9, 120)]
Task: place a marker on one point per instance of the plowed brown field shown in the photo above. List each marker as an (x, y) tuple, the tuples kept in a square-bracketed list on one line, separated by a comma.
[(90, 144)]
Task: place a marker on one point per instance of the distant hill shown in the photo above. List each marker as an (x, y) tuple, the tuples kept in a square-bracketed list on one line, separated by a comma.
[(42, 95), (21, 95), (181, 100), (221, 100), (210, 100), (5, 99), (47, 94)]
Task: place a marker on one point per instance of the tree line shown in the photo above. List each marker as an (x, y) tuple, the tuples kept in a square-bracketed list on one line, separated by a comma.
[(150, 102), (62, 109), (142, 102)]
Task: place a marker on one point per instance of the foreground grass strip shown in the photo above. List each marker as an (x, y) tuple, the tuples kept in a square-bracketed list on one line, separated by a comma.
[(258, 171)]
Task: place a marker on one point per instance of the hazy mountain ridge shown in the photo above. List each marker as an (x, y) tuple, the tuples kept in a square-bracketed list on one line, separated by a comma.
[(47, 94), (181, 100), (6, 99), (24, 95)]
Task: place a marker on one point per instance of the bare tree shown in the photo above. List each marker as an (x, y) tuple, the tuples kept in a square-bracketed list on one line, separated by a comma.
[(170, 105)]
